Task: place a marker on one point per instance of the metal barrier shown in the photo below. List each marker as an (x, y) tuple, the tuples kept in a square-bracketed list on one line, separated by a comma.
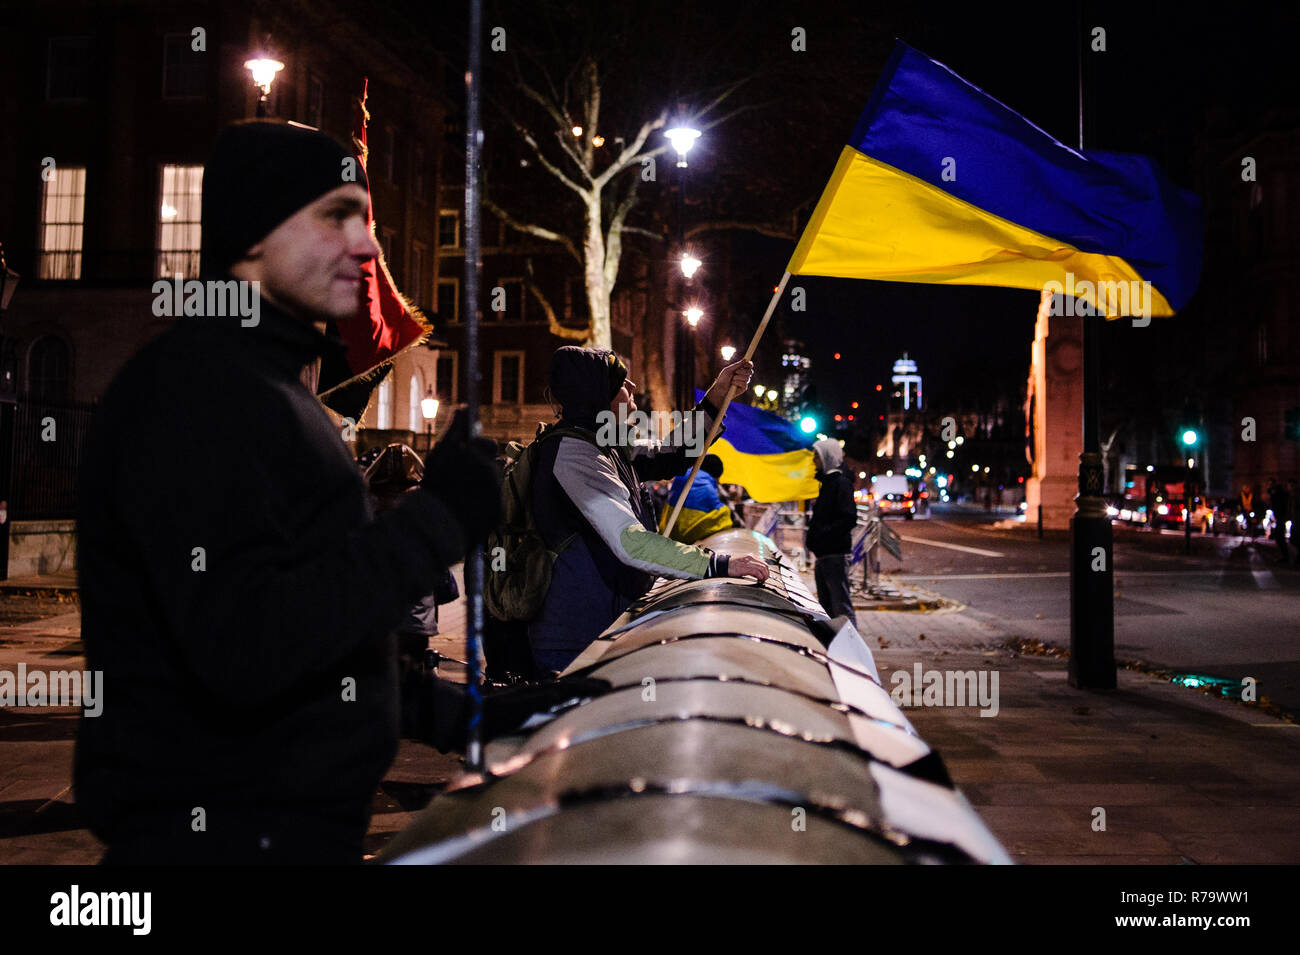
[(740, 725), (871, 534)]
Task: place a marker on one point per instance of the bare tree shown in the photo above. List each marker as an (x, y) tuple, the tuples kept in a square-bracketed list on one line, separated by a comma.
[(597, 168)]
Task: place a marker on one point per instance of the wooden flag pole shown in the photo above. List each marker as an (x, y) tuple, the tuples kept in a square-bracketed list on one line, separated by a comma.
[(731, 391)]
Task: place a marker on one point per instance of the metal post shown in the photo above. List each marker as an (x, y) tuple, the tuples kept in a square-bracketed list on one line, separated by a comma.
[(1092, 591), (1187, 510), (474, 560)]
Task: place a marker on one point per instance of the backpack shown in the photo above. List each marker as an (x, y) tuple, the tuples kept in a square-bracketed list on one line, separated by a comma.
[(517, 591)]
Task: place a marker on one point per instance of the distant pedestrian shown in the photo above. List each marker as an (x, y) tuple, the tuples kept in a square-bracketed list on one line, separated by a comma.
[(830, 530), (1279, 502)]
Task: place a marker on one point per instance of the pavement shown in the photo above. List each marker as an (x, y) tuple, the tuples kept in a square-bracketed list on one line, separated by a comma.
[(1152, 772)]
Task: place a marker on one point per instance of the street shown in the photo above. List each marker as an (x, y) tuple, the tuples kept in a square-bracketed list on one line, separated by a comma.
[(1227, 611)]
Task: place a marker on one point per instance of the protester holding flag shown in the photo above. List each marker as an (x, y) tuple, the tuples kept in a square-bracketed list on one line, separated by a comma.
[(236, 592), (591, 497)]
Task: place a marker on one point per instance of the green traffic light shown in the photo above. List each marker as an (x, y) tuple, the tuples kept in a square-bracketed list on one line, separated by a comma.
[(808, 425), (1190, 437)]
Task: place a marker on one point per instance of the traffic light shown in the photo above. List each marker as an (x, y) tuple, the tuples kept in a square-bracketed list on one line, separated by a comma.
[(808, 424), (1291, 428), (1190, 437)]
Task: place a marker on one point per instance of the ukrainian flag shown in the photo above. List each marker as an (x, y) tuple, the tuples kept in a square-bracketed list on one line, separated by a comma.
[(941, 183), (703, 512), (766, 454)]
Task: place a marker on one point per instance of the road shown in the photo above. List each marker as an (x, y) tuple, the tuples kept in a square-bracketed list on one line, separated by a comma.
[(1227, 611)]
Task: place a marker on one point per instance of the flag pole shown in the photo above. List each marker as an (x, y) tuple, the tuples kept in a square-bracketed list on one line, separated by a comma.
[(474, 560), (731, 391)]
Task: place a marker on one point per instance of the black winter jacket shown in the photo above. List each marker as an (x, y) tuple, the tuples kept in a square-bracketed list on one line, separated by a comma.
[(830, 530), (236, 593)]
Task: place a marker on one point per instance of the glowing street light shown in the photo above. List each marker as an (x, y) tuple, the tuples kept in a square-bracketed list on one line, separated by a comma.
[(263, 69), (808, 425), (689, 264), (728, 352), (577, 132), (682, 138), (693, 316)]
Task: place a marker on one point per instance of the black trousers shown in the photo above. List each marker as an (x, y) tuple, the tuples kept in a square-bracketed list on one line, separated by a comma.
[(831, 573), (242, 836)]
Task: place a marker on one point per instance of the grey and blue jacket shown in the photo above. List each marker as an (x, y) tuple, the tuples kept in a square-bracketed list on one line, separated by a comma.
[(595, 495)]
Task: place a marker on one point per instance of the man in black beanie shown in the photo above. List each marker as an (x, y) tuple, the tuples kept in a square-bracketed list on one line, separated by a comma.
[(237, 593)]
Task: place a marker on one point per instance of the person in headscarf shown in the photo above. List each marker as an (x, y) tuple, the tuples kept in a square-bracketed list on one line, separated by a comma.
[(830, 530), (704, 512), (591, 506)]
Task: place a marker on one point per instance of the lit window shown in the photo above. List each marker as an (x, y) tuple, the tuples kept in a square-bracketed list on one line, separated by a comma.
[(416, 418), (384, 416), (180, 210), (63, 217)]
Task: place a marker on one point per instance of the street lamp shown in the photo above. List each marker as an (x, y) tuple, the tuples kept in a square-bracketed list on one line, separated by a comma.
[(429, 408), (728, 352), (689, 264), (693, 316), (263, 69), (682, 138)]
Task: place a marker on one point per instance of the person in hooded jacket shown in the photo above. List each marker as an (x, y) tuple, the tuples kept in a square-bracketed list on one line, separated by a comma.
[(830, 530), (589, 492)]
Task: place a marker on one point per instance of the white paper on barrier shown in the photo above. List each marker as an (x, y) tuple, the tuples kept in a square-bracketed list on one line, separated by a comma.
[(929, 811)]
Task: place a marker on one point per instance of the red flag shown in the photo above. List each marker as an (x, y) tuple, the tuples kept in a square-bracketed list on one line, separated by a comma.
[(387, 323)]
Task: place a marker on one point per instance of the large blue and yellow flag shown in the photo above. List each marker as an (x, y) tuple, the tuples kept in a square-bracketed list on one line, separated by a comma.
[(941, 183), (766, 454)]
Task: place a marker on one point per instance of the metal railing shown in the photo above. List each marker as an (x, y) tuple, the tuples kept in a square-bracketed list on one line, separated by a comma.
[(48, 438)]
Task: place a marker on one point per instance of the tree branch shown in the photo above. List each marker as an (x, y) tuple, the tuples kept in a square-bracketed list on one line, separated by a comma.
[(630, 152), (552, 323), (530, 229), (762, 228), (562, 124)]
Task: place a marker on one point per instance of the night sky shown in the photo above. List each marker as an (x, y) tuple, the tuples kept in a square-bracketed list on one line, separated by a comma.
[(1171, 78)]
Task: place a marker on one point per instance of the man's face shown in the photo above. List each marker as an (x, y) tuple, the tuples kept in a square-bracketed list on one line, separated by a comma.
[(624, 397), (311, 264)]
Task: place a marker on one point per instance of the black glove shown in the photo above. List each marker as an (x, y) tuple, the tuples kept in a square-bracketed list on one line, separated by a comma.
[(463, 472)]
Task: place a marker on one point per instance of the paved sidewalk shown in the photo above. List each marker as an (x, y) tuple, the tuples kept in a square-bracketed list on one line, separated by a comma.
[(1180, 776)]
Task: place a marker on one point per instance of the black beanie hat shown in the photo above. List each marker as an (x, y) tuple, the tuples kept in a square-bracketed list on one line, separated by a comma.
[(261, 172), (712, 465), (585, 380)]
